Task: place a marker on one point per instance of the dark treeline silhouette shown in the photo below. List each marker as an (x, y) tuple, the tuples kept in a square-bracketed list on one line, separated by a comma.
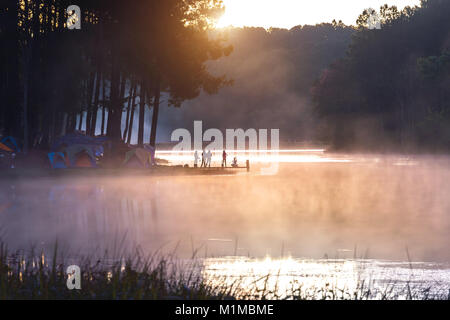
[(125, 56), (392, 89), (350, 87)]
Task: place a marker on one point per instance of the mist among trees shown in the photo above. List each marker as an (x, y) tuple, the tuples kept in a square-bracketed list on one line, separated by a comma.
[(392, 89)]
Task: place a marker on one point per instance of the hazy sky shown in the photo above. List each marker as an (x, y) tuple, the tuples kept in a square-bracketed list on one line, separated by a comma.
[(290, 13)]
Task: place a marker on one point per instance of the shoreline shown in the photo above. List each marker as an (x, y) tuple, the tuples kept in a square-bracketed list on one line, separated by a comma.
[(19, 173)]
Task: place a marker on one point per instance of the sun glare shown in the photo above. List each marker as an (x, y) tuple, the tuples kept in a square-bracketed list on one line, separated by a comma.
[(290, 13)]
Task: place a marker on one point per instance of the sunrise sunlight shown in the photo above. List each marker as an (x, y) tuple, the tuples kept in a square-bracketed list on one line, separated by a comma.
[(290, 13)]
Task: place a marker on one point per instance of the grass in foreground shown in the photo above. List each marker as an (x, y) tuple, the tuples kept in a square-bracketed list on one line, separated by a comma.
[(34, 276)]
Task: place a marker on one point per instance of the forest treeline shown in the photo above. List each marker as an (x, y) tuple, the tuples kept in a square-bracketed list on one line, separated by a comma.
[(392, 88), (345, 86), (124, 57)]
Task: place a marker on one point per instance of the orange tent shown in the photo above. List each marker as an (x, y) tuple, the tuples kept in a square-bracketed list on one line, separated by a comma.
[(5, 148)]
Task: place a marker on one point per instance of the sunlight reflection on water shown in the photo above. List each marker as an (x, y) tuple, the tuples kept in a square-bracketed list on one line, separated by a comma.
[(325, 279), (256, 156)]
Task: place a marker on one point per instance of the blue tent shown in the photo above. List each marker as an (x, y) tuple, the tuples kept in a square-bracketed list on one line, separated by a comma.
[(11, 143), (57, 160), (76, 151), (96, 143)]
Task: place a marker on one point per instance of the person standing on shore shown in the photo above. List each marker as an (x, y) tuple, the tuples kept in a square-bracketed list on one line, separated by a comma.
[(224, 159), (195, 159), (208, 158), (203, 159)]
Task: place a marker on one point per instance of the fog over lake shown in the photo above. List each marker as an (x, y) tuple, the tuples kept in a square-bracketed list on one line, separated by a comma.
[(363, 207)]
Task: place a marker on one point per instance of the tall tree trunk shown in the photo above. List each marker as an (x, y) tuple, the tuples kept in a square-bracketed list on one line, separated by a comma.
[(150, 92), (53, 125), (114, 114), (3, 92), (64, 124), (80, 124), (12, 67), (103, 106), (25, 104), (28, 53), (112, 99), (95, 106), (121, 98), (99, 60), (155, 111), (130, 99), (72, 122), (90, 93), (26, 92), (133, 110), (142, 113), (35, 95)]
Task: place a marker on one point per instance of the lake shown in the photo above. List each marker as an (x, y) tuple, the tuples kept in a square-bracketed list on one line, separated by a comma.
[(316, 218)]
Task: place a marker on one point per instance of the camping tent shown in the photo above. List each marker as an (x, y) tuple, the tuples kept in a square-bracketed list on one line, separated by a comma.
[(96, 144), (57, 160), (80, 156), (137, 158), (5, 148), (11, 143)]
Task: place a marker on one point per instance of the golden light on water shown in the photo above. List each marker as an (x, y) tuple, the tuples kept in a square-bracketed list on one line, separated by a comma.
[(256, 156), (282, 277), (251, 151), (289, 278)]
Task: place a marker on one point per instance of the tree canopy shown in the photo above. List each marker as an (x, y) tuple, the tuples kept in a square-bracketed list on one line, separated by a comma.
[(393, 86), (55, 80)]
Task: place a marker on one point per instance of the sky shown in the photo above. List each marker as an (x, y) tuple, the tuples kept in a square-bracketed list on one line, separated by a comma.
[(290, 13)]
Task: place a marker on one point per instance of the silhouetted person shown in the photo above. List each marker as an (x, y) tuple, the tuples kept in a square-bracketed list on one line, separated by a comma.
[(203, 159), (196, 159), (208, 159), (234, 164), (224, 159)]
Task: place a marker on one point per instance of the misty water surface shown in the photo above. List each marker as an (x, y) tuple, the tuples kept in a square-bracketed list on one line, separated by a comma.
[(369, 207)]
